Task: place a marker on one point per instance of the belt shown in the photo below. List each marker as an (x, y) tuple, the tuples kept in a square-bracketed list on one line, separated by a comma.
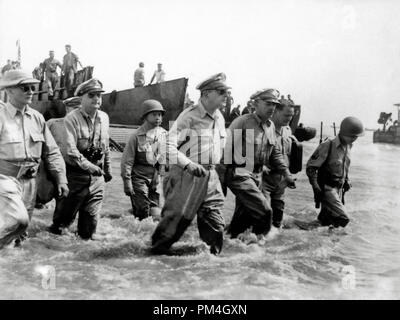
[(19, 169), (208, 166)]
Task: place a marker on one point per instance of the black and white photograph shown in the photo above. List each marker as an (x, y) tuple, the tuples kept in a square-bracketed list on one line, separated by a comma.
[(213, 151)]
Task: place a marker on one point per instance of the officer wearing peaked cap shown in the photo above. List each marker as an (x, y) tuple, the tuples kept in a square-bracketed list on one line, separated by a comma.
[(192, 186), (92, 85), (327, 170), (87, 155), (24, 140), (243, 175), (142, 160)]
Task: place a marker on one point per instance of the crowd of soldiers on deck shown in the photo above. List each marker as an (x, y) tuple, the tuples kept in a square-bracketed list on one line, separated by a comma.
[(198, 160)]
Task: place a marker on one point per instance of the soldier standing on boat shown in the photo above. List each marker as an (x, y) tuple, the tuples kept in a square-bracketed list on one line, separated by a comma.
[(87, 155), (50, 71), (192, 186), (141, 161), (159, 74), (327, 171), (242, 175), (24, 140), (273, 183), (69, 68), (138, 76)]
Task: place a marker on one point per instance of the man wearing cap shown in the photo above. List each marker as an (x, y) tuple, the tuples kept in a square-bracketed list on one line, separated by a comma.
[(253, 135), (138, 76), (159, 74), (141, 162), (194, 147), (50, 70), (25, 139), (70, 67), (87, 155), (327, 171), (273, 183)]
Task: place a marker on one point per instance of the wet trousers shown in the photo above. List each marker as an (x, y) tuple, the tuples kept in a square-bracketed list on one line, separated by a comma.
[(14, 218), (145, 197), (86, 197), (332, 209), (185, 196), (272, 187), (252, 206)]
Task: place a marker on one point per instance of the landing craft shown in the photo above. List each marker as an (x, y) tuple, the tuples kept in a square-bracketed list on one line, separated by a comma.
[(123, 107), (391, 134)]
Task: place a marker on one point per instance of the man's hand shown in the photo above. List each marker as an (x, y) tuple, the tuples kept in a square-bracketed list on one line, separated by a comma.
[(95, 170), (107, 177), (128, 189), (265, 170), (317, 195), (196, 169), (291, 182), (62, 190), (346, 186)]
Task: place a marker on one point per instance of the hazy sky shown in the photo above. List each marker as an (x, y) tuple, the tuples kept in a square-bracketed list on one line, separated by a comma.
[(336, 58)]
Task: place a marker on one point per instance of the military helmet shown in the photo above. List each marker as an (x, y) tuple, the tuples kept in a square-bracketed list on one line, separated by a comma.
[(351, 126), (150, 106)]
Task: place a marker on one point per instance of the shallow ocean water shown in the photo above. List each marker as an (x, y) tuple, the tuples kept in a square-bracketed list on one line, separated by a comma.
[(361, 261)]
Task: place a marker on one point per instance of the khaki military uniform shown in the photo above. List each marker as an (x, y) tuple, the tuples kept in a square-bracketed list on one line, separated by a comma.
[(138, 168), (86, 190), (50, 71), (24, 141), (199, 137), (332, 158), (243, 177), (273, 183)]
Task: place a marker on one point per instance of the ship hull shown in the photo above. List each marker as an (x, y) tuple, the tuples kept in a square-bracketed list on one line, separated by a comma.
[(392, 135)]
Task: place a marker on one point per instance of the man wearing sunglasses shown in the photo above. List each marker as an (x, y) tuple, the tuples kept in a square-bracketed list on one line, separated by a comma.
[(87, 155), (192, 186), (24, 140), (249, 153)]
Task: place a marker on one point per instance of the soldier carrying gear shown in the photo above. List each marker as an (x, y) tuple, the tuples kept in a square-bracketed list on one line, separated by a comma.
[(327, 171), (141, 160)]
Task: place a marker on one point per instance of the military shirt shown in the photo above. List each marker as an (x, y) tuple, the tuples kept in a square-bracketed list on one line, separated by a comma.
[(339, 159), (198, 135), (247, 133), (57, 129), (50, 65), (143, 151), (138, 77), (284, 143), (26, 137), (70, 60), (80, 132)]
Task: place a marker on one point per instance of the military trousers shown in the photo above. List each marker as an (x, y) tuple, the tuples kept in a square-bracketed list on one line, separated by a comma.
[(14, 218), (252, 206), (145, 196), (85, 196), (332, 209), (51, 80), (69, 80), (273, 187), (185, 196)]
